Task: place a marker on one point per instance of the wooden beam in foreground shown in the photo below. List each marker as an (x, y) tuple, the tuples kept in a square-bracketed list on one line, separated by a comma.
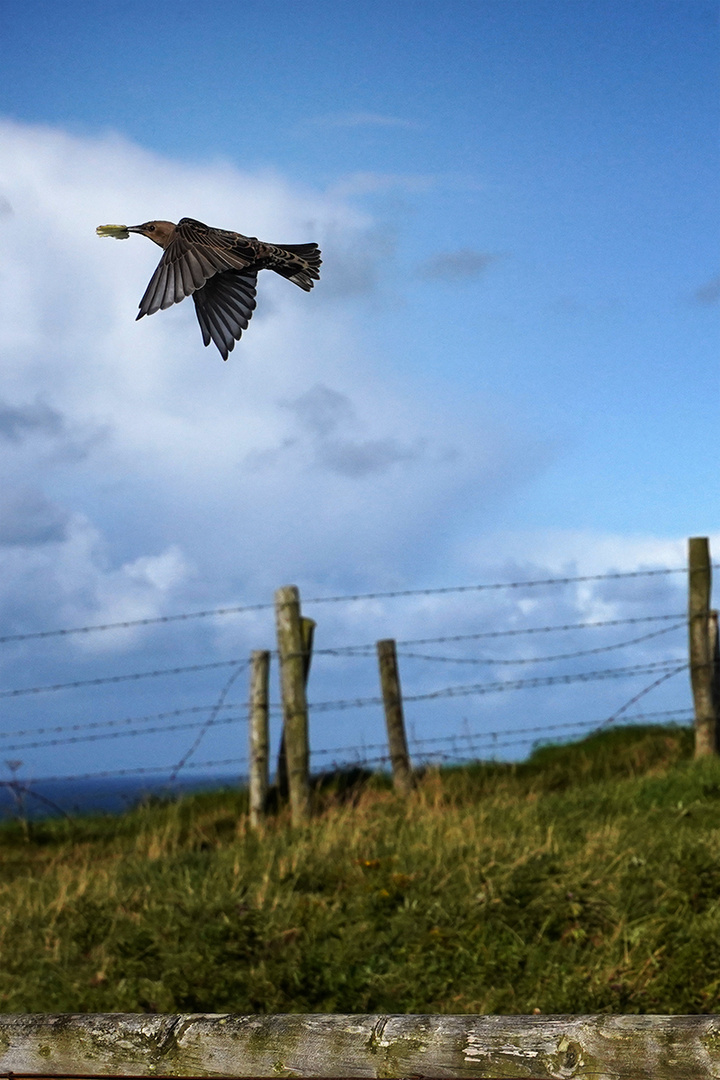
[(310, 1045)]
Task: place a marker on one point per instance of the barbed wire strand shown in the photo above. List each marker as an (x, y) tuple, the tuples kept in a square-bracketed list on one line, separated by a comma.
[(141, 770), (127, 624), (459, 757), (545, 659), (93, 724), (636, 697), (341, 650), (545, 680), (18, 788), (484, 736), (209, 722), (76, 684), (342, 704), (466, 690), (473, 738), (79, 683), (129, 733), (496, 746)]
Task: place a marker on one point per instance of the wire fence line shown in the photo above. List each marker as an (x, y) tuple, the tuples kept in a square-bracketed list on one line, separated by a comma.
[(210, 720), (240, 665), (319, 706), (127, 624), (341, 650), (77, 684), (92, 724), (224, 714), (348, 703), (358, 755), (645, 690), (351, 650), (129, 733), (544, 659), (140, 770), (342, 704), (510, 684)]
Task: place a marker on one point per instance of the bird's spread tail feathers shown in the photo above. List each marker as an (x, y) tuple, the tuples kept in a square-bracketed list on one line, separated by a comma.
[(303, 266)]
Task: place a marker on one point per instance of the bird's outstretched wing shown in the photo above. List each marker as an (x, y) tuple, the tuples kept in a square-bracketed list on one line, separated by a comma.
[(195, 254), (224, 307)]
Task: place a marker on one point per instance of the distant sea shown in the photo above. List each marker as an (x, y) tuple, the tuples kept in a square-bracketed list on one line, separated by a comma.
[(113, 795)]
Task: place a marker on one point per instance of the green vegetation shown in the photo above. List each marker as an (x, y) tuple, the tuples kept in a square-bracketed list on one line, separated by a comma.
[(585, 880)]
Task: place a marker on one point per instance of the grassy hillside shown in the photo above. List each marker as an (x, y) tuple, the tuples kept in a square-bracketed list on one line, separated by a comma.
[(587, 879)]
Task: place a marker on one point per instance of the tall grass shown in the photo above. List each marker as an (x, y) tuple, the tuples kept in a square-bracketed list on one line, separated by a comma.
[(585, 880)]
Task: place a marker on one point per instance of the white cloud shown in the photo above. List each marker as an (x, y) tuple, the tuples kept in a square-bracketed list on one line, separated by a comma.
[(156, 443), (60, 576), (575, 551), (144, 476)]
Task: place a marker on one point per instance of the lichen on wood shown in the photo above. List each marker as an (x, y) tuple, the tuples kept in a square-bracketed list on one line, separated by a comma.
[(315, 1046)]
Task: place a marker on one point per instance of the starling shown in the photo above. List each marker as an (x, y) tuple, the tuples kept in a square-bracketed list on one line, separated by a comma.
[(219, 270)]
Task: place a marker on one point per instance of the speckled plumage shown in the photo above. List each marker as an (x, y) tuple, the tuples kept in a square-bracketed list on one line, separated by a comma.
[(219, 270)]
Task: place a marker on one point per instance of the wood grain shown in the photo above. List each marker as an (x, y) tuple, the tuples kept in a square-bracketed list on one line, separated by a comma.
[(590, 1047)]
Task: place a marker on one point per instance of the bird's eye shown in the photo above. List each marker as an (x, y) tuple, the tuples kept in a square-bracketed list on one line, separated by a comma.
[(149, 228)]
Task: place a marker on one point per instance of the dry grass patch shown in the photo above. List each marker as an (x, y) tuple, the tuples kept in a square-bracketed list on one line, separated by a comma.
[(585, 880)]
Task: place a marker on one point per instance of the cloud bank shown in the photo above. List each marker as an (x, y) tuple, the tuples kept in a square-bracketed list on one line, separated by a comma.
[(144, 476), (154, 445)]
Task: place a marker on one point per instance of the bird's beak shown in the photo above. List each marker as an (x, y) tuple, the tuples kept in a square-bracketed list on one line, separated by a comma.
[(135, 228)]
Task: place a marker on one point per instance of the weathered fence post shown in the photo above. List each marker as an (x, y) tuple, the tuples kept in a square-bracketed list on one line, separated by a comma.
[(392, 699), (293, 667), (259, 735), (307, 626), (701, 655), (715, 666)]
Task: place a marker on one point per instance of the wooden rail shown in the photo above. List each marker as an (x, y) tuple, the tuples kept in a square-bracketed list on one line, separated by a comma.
[(310, 1045)]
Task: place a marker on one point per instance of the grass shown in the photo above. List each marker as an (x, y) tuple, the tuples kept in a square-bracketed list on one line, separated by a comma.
[(585, 880)]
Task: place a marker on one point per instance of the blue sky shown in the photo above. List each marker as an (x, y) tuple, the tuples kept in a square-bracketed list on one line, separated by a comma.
[(509, 368)]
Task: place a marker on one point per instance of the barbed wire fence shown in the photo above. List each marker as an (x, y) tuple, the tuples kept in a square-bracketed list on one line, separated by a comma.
[(433, 653)]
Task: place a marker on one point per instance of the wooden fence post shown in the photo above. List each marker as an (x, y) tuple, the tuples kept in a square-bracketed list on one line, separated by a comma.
[(259, 735), (701, 655), (715, 668), (392, 699), (307, 627), (292, 652)]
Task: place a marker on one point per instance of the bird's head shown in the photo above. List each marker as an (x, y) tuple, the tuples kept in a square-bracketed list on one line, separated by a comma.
[(160, 232)]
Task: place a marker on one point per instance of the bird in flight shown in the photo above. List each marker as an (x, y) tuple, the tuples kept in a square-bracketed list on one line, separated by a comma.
[(219, 270)]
